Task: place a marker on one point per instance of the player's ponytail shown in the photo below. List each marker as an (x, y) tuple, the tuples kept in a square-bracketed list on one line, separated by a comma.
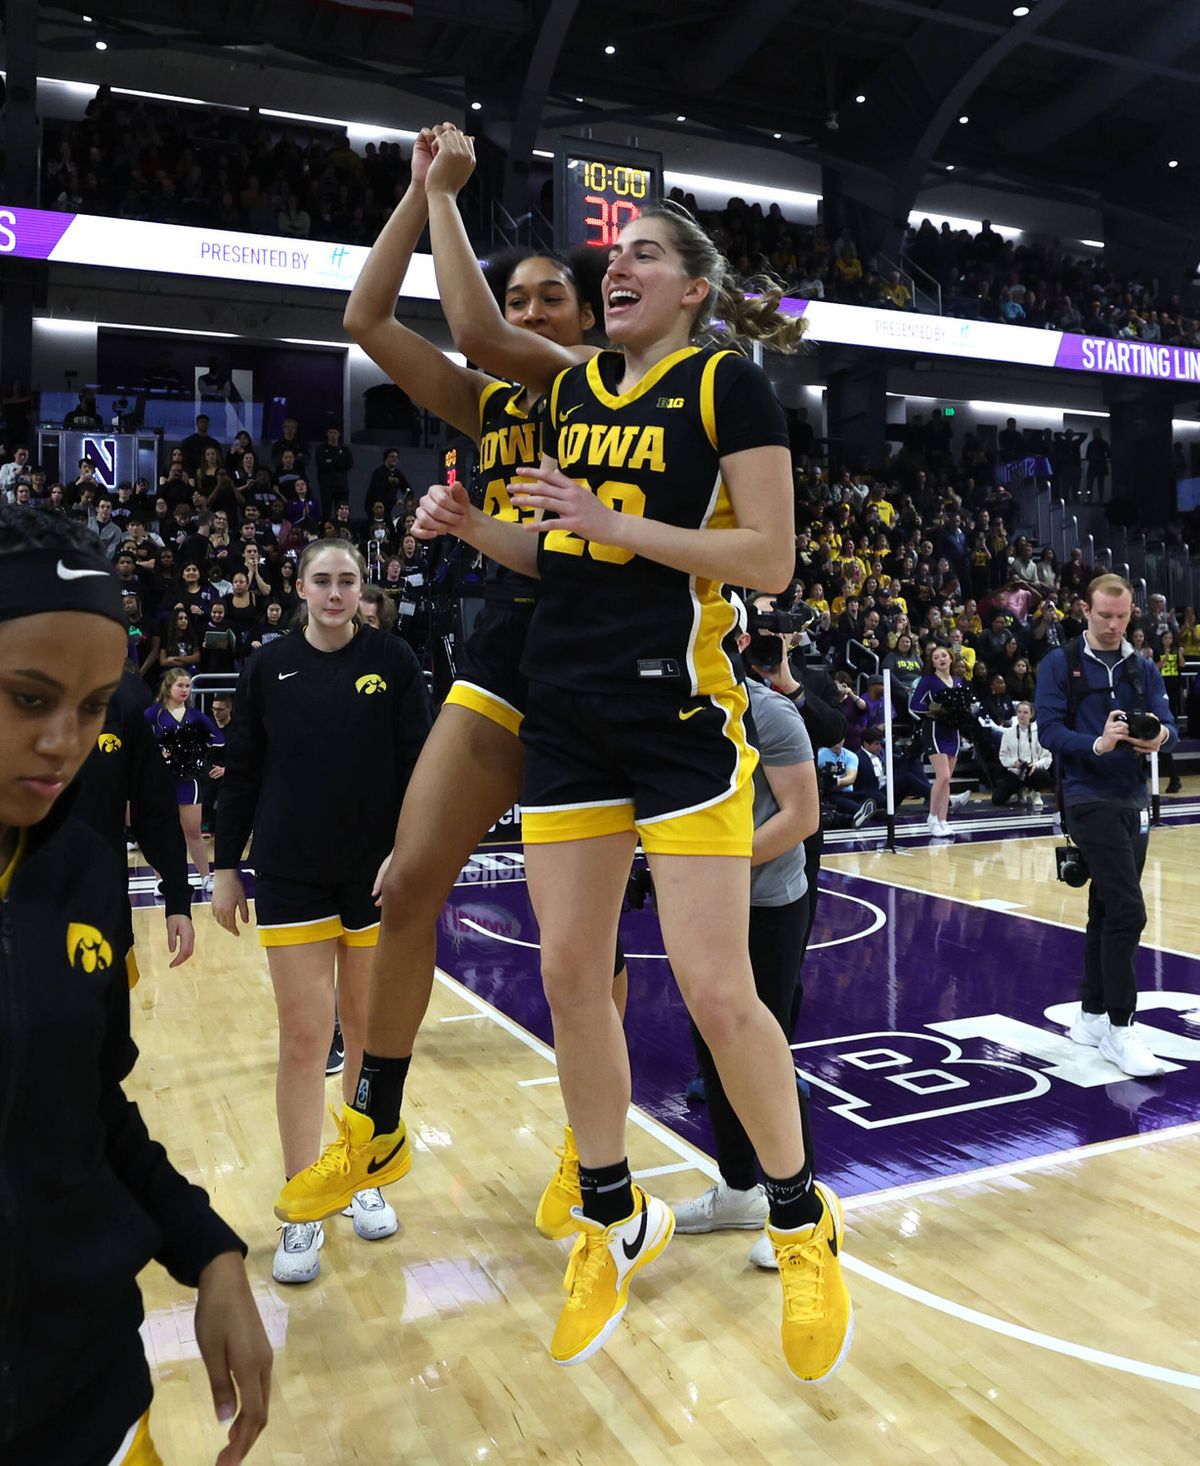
[(747, 312)]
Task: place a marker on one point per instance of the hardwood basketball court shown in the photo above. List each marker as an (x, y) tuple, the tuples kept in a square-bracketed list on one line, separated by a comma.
[(1025, 1282)]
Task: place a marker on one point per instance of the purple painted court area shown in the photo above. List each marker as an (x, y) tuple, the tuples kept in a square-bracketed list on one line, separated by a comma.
[(924, 1033)]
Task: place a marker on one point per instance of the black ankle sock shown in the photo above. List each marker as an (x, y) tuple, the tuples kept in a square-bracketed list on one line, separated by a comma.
[(794, 1201), (607, 1193), (380, 1091)]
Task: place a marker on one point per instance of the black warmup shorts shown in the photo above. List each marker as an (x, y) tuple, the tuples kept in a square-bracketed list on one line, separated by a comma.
[(490, 681), (292, 913)]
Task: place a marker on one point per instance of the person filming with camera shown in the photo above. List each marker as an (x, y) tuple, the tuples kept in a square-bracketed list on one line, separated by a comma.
[(1101, 710)]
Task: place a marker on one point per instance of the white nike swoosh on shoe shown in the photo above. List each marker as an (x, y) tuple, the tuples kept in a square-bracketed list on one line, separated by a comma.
[(283, 676), (65, 573)]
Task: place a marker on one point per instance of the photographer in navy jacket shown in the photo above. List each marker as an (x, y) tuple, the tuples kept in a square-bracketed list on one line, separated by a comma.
[(1087, 695)]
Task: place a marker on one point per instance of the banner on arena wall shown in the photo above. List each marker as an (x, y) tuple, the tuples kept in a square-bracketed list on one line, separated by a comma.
[(177, 249)]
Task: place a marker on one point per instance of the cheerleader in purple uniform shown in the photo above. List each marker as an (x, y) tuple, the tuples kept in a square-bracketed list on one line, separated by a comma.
[(938, 701), (188, 739)]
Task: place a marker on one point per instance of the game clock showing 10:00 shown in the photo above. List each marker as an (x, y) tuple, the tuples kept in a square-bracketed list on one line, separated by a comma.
[(600, 191)]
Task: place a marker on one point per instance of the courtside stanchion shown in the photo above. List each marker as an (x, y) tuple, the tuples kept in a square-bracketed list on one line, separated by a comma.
[(888, 761), (1155, 801)]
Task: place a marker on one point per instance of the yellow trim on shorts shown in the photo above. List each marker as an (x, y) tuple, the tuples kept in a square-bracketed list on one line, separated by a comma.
[(132, 971), (367, 936), (556, 824), (141, 1451), (486, 704), (300, 933)]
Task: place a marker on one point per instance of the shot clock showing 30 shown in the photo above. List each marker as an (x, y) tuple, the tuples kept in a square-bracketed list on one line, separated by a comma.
[(598, 190)]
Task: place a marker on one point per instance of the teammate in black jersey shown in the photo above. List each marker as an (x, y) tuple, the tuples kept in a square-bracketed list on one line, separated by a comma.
[(334, 691), (667, 476), (469, 773)]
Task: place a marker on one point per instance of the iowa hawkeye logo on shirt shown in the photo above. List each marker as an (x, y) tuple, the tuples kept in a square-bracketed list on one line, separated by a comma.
[(370, 683), (108, 743), (87, 949)]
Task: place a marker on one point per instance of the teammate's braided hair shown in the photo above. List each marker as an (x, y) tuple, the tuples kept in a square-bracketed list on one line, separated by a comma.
[(749, 311), (23, 528)]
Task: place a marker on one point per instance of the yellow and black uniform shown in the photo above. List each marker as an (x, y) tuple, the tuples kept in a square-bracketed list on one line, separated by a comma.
[(74, 1383), (302, 718), (636, 709), (489, 679)]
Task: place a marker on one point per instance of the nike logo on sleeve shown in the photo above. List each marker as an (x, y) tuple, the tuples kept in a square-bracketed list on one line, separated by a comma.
[(64, 573), (283, 676)]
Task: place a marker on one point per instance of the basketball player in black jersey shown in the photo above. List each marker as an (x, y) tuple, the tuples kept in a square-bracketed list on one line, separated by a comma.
[(667, 476), (469, 773)]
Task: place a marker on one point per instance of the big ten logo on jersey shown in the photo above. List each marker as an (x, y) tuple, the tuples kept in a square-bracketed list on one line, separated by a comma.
[(884, 1077)]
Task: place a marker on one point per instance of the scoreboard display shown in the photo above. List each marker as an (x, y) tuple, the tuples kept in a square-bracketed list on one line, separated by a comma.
[(599, 188)]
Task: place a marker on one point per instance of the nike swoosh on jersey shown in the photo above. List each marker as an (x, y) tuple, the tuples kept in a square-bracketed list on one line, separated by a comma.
[(283, 676), (65, 573), (562, 417), (686, 713)]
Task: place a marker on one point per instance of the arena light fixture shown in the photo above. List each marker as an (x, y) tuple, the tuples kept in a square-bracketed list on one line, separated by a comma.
[(1174, 163), (681, 117), (949, 167), (964, 119), (610, 50), (861, 98), (777, 136), (101, 45), (1020, 11), (476, 106)]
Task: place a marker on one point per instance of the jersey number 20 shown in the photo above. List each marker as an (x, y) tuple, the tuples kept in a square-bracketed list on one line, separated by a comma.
[(625, 499)]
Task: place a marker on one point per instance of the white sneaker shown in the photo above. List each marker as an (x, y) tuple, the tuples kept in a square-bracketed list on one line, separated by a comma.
[(373, 1217), (298, 1256), (933, 825), (722, 1207), (957, 801), (1088, 1028), (206, 885), (1038, 803), (762, 1254), (943, 828), (1122, 1046)]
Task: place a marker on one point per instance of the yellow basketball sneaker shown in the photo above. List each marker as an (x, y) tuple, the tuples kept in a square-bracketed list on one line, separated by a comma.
[(818, 1321), (601, 1267), (357, 1160), (553, 1217)]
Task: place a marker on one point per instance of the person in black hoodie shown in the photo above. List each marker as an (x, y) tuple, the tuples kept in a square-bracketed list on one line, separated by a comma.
[(74, 1384)]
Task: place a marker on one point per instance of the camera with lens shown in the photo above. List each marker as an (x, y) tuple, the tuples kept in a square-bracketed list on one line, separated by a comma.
[(1072, 867), (1145, 727)]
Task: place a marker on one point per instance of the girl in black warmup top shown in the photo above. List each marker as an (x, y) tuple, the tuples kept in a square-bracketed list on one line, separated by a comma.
[(76, 1387)]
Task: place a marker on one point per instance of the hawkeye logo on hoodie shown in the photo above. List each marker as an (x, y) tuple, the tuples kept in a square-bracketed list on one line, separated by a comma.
[(108, 743), (87, 949), (370, 684)]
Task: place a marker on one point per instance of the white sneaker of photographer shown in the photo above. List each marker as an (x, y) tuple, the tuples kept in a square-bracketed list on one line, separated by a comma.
[(373, 1217), (1122, 1046), (1088, 1028), (762, 1254), (722, 1207), (957, 801)]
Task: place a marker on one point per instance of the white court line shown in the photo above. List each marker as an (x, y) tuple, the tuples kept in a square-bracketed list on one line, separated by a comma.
[(1018, 1167), (529, 1083), (1017, 1331), (674, 1143), (847, 875), (878, 919), (663, 1170), (697, 1160), (460, 1018)]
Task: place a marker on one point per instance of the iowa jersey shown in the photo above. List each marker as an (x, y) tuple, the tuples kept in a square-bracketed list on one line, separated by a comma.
[(510, 439), (610, 620)]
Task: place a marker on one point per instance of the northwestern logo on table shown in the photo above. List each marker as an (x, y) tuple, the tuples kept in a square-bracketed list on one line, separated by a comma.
[(103, 453)]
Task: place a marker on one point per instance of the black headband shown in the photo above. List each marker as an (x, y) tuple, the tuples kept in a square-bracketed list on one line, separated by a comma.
[(33, 582)]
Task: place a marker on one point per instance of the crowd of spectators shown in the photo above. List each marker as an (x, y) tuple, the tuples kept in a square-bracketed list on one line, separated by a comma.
[(214, 168), (926, 554), (217, 169), (208, 553)]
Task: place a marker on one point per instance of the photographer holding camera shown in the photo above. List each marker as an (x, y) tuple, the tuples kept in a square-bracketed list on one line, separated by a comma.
[(1100, 709)]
